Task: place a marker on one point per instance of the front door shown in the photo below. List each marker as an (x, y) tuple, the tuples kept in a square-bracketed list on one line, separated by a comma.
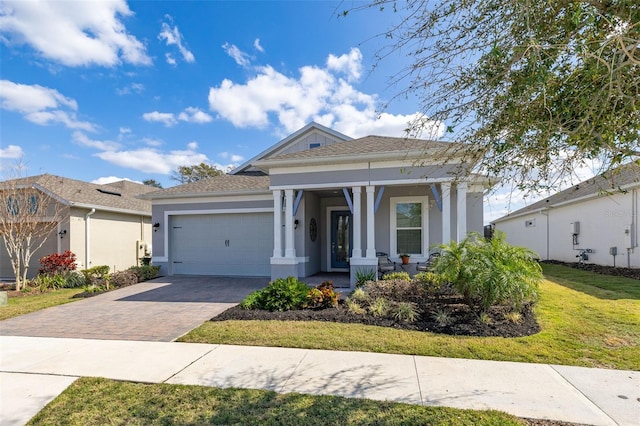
[(341, 235)]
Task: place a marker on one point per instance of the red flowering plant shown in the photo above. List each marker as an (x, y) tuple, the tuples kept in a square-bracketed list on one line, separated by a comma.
[(58, 264)]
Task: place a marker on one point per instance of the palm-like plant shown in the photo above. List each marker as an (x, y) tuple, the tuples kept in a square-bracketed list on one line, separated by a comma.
[(490, 272)]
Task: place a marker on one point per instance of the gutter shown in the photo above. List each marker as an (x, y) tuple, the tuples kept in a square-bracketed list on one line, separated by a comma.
[(111, 209), (87, 228)]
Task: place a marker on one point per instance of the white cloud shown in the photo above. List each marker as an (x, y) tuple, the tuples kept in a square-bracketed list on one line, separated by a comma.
[(83, 140), (11, 152), (192, 145), (152, 142), (75, 34), (173, 37), (348, 63), (234, 158), (257, 45), (195, 115), (243, 59), (150, 160), (110, 179), (131, 88), (317, 94), (41, 105), (166, 118), (170, 59)]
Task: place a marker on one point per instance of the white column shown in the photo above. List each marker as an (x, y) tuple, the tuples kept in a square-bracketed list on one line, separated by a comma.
[(462, 211), (356, 251), (289, 250), (371, 223), (446, 212), (277, 223)]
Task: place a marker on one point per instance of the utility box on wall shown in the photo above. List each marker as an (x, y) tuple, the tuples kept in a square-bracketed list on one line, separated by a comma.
[(575, 228)]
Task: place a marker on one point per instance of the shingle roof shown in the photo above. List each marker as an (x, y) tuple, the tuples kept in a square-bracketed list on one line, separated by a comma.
[(602, 185), (118, 195), (216, 184), (368, 145)]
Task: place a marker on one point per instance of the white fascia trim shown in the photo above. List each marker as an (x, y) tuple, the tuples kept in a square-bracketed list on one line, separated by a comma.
[(111, 209), (414, 181), (265, 196), (205, 194), (321, 185), (518, 215), (319, 168), (407, 163), (49, 193), (159, 259)]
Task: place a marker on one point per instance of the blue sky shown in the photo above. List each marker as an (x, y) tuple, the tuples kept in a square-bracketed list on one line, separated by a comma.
[(106, 90)]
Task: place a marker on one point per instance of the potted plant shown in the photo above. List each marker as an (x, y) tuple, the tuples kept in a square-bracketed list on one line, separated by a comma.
[(405, 258)]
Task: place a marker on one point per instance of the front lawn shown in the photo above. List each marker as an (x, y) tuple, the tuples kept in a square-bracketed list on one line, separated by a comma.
[(34, 302), (587, 320), (84, 403)]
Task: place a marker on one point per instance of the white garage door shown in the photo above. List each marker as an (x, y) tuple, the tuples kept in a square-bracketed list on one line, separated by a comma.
[(222, 244)]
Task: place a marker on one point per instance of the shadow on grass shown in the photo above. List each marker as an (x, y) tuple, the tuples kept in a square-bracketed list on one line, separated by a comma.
[(606, 287)]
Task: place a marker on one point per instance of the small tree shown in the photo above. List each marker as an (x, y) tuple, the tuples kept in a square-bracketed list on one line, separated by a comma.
[(152, 182), (28, 216), (188, 174)]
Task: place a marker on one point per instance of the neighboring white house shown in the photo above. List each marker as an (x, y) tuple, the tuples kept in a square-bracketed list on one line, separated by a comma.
[(318, 201), (596, 218), (102, 224)]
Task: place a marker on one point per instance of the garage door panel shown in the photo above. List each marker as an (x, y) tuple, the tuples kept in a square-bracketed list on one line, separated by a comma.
[(222, 244)]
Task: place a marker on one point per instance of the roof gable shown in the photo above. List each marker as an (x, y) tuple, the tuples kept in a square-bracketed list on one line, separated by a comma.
[(289, 143), (613, 181)]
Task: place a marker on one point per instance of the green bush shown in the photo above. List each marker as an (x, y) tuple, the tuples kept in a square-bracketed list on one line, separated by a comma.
[(283, 294), (145, 272), (46, 282), (363, 276), (379, 307), (405, 311), (123, 278), (397, 276), (491, 272), (97, 276), (74, 279)]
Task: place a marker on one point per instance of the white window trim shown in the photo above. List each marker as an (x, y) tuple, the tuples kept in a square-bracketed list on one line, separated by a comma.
[(425, 225)]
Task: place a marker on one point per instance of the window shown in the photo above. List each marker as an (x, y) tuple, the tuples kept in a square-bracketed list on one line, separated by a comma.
[(409, 226), (314, 145), (12, 205)]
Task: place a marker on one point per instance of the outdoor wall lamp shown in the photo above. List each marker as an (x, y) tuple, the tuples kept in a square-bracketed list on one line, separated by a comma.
[(295, 224), (62, 233), (156, 226)]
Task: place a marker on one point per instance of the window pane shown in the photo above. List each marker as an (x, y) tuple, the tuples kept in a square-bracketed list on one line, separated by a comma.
[(409, 241), (409, 215)]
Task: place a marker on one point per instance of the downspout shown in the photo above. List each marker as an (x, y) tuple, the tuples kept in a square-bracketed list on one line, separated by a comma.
[(86, 237), (546, 213)]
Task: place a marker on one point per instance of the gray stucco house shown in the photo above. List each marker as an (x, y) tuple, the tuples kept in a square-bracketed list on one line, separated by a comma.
[(318, 201)]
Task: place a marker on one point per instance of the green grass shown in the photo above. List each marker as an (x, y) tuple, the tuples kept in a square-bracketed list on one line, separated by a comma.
[(31, 303), (582, 324), (84, 403)]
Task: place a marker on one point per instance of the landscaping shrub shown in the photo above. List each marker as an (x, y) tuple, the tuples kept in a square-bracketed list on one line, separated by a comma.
[(48, 282), (145, 272), (283, 294), (399, 290), (57, 264), (397, 276), (97, 276), (123, 278), (355, 308), (379, 307), (74, 279), (323, 296), (405, 311), (490, 272), (363, 276)]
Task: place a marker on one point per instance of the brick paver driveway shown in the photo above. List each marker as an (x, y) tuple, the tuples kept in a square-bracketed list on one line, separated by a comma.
[(162, 309)]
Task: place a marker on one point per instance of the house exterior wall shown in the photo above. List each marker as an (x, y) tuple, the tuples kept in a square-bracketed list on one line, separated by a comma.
[(49, 247), (603, 222), (304, 143)]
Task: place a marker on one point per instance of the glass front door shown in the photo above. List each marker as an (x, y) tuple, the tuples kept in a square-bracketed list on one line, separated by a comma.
[(341, 235)]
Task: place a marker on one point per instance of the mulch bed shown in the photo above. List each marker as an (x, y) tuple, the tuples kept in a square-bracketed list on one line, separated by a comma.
[(465, 322), (600, 269)]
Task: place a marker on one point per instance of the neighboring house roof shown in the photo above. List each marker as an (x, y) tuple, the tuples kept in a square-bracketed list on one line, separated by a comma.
[(366, 148), (292, 138), (117, 196), (227, 184), (614, 181)]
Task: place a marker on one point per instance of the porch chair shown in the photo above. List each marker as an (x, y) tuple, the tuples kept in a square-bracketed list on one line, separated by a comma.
[(385, 265), (428, 265)]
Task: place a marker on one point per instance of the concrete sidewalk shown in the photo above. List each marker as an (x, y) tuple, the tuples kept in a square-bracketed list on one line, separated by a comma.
[(34, 370)]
